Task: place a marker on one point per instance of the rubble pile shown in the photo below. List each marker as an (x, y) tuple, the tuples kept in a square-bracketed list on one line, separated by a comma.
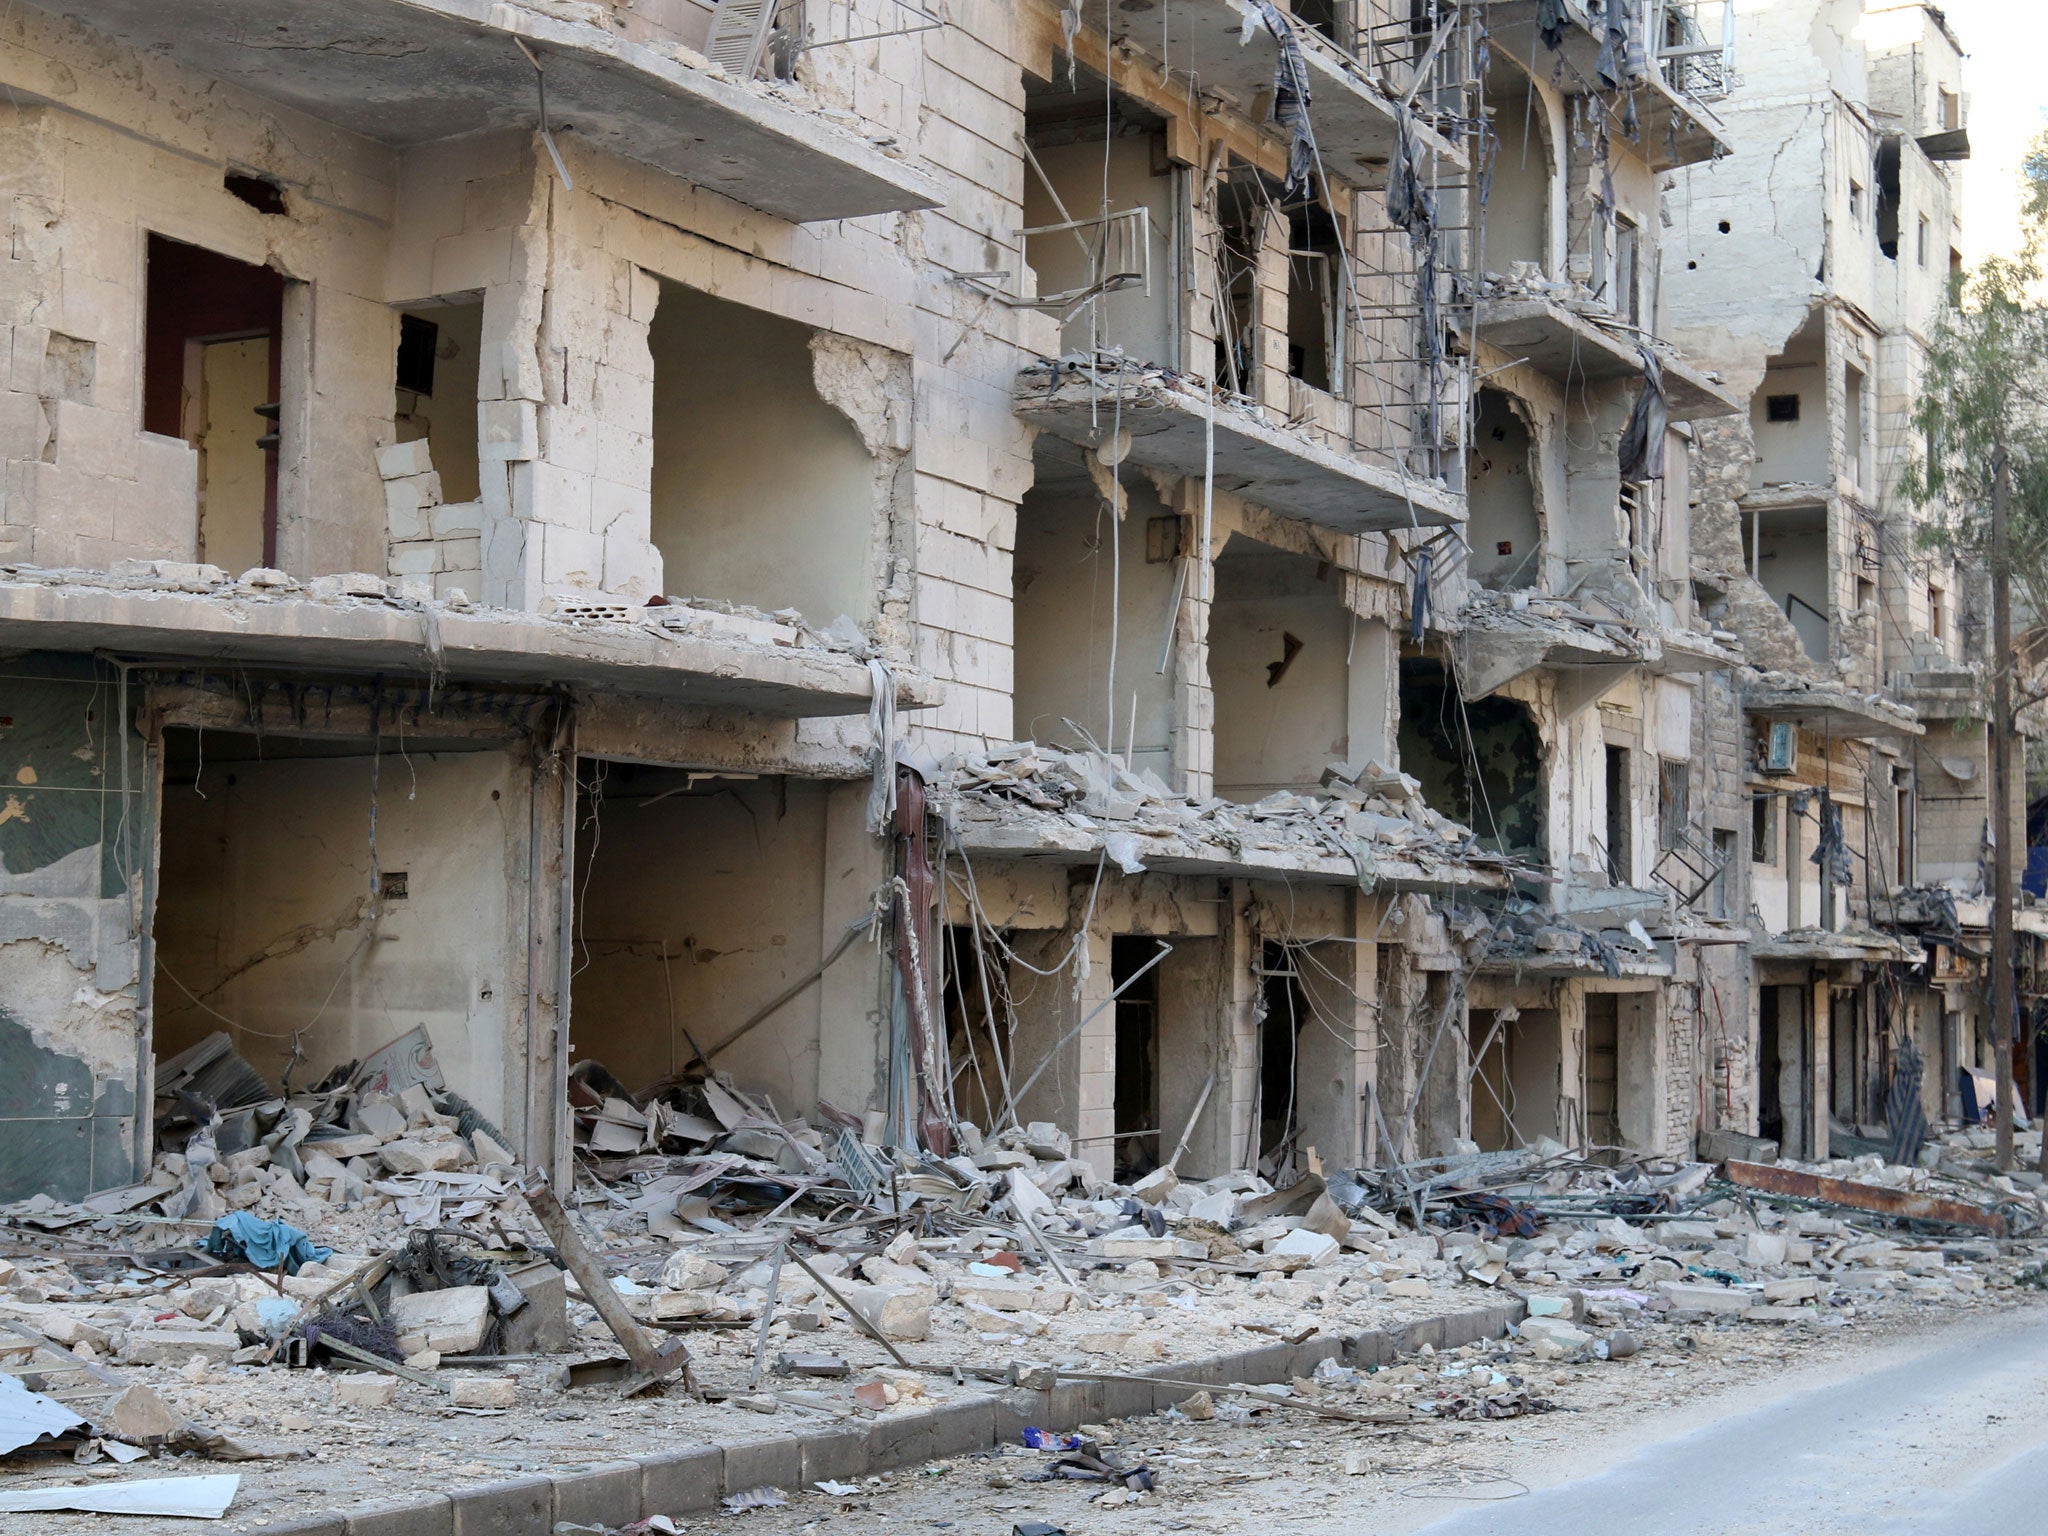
[(377, 1240), (1366, 812)]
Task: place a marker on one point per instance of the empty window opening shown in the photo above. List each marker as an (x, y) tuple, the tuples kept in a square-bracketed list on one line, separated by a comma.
[(1763, 829), (1727, 856), (1856, 201), (1315, 299), (1517, 1065), (1286, 1014), (661, 965), (1506, 531), (1922, 240), (1082, 582), (1856, 426), (1792, 441), (1950, 112), (1619, 844), (274, 923), (1905, 831), (763, 493), (439, 349), (1137, 1117), (259, 192), (1790, 549), (213, 333), (1479, 762), (1618, 278), (1113, 277), (1674, 801), (1517, 207), (1279, 643), (1937, 612), (1888, 208), (1243, 199), (1335, 19)]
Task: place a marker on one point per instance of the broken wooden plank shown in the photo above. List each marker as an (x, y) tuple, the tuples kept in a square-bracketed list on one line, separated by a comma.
[(650, 1364), (1901, 1204)]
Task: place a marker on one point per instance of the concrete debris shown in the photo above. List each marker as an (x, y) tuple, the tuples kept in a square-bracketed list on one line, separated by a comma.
[(1368, 814)]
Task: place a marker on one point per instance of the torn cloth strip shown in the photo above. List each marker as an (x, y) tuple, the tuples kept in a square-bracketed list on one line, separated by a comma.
[(1623, 58), (1551, 22), (882, 731), (1290, 92), (1410, 205), (1642, 440)]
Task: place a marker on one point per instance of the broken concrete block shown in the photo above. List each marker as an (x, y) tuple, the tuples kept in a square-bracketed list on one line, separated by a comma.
[(1044, 1139), (1788, 1314), (452, 1321), (1315, 1247), (678, 1306), (1220, 1209), (1155, 1186), (686, 1271), (1557, 1331), (174, 1346), (432, 1151), (396, 460), (1007, 1296), (484, 1392), (1803, 1288), (1412, 1286), (1705, 1298), (362, 1390), (1137, 1243), (488, 1151), (1764, 1249), (895, 1314), (139, 1415), (380, 1117)]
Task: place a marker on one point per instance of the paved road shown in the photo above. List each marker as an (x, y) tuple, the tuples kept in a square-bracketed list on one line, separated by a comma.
[(1953, 1440)]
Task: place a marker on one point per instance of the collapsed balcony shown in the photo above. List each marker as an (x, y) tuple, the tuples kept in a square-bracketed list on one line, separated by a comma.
[(407, 72), (1666, 104), (1169, 418), (1829, 710), (1354, 96), (700, 654), (1507, 636), (1567, 335), (1029, 802)]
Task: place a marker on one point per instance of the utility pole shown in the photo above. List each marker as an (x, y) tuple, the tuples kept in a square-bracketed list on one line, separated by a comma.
[(2000, 734)]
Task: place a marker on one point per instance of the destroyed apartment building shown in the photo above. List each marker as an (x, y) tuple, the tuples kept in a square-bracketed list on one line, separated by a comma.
[(944, 576), (1107, 637), (1005, 573)]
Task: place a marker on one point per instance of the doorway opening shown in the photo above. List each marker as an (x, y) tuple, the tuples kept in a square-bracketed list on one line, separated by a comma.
[(213, 329), (1138, 1148)]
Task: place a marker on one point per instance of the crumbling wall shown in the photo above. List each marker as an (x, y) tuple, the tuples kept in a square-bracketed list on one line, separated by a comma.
[(1279, 646), (106, 145), (75, 799)]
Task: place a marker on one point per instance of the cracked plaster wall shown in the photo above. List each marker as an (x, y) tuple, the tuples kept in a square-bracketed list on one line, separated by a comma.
[(74, 841)]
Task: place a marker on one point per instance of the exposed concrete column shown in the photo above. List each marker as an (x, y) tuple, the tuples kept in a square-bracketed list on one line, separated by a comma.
[(1239, 1025), (1270, 313), (1194, 700), (1093, 1125), (853, 1038), (1817, 1096)]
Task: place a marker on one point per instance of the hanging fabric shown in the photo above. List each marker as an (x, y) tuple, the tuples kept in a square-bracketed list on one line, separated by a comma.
[(1290, 93), (1551, 21), (1642, 440)]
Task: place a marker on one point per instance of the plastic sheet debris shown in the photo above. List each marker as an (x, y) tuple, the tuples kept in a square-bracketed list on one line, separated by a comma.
[(26, 1417), (266, 1244), (191, 1498), (753, 1498)]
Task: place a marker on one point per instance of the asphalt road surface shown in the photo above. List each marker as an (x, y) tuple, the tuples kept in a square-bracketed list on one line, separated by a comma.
[(1954, 1439)]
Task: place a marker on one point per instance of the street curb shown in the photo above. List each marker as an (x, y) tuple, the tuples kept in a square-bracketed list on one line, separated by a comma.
[(695, 1478)]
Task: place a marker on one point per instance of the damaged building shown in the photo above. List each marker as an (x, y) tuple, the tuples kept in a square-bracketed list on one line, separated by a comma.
[(1232, 587), (1852, 738)]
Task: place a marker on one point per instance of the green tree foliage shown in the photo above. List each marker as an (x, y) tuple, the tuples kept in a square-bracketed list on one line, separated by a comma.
[(1985, 391)]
